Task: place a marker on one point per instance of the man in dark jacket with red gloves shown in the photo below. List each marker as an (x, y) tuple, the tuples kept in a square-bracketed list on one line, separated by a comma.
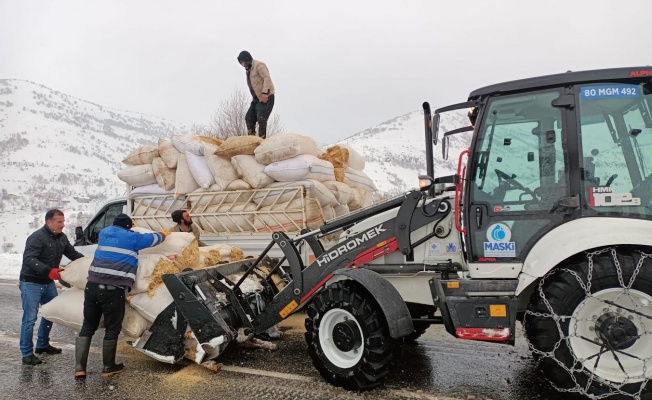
[(41, 259), (112, 272)]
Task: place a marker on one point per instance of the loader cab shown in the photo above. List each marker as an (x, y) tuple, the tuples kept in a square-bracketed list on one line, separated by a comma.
[(86, 238), (548, 150)]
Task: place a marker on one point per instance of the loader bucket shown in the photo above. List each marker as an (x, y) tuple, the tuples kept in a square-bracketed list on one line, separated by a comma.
[(208, 311)]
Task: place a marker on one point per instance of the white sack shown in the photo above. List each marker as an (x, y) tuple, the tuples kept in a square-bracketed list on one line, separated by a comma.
[(142, 155), (168, 152), (76, 272), (251, 171), (146, 265), (328, 213), (174, 243), (283, 146), (151, 307), (165, 176), (304, 166), (134, 324), (356, 160), (189, 143), (361, 199), (185, 182), (66, 309), (137, 175), (343, 193), (358, 179), (237, 145), (340, 210), (280, 193), (238, 184), (224, 249), (198, 166), (222, 170), (288, 217)]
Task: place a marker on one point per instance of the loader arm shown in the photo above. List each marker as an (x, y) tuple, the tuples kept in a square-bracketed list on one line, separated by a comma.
[(354, 252)]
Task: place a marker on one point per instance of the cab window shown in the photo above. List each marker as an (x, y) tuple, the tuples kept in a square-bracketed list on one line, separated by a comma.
[(103, 220), (616, 136), (519, 159)]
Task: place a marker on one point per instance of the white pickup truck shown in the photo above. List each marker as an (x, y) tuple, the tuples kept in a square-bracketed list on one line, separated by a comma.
[(244, 218)]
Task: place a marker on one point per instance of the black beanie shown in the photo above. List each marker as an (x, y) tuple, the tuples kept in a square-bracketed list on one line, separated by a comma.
[(123, 220), (244, 56)]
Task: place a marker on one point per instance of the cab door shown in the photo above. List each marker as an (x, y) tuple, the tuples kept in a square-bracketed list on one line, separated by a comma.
[(517, 183), (88, 243)]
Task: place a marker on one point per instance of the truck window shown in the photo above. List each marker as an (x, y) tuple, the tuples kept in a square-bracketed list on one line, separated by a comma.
[(616, 136), (103, 220)]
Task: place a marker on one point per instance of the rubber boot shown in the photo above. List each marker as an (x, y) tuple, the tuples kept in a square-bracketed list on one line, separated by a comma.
[(109, 348), (82, 346)]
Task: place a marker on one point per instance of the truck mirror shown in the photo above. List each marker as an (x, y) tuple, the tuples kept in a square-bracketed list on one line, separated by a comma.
[(79, 233), (444, 147), (435, 128)]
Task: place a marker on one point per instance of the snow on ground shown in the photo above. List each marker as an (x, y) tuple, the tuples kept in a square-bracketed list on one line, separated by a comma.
[(10, 266)]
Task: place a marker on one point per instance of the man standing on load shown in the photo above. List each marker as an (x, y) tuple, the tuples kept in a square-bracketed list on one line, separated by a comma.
[(112, 272), (262, 93), (41, 258)]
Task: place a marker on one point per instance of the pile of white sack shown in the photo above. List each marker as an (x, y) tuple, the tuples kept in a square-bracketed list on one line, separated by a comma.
[(189, 168), (149, 296)]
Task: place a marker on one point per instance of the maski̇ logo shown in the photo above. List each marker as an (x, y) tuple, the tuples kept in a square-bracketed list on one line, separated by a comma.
[(499, 233)]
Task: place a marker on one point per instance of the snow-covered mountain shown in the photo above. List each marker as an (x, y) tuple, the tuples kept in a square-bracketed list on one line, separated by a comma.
[(395, 151), (64, 152), (60, 151)]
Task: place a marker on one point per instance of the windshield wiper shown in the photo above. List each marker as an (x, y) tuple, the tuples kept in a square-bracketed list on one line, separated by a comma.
[(484, 158)]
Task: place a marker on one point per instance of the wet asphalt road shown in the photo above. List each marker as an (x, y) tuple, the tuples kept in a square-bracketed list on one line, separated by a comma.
[(438, 366)]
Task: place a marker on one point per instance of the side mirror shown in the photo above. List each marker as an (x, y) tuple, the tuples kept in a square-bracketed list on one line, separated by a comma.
[(79, 233), (444, 147), (435, 128)]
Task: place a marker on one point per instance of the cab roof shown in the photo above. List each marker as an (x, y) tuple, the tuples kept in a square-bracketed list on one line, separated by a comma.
[(541, 82)]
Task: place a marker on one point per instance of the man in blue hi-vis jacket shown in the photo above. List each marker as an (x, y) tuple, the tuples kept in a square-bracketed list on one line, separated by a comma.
[(111, 274)]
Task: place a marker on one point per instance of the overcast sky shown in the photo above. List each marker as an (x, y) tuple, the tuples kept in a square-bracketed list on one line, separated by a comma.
[(339, 67)]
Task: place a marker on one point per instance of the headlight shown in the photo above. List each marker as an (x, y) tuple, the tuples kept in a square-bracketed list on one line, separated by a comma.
[(425, 182)]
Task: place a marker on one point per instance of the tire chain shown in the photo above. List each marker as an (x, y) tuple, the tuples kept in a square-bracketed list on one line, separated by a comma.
[(614, 389)]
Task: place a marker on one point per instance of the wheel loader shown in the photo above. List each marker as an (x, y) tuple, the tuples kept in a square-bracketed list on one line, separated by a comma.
[(547, 224)]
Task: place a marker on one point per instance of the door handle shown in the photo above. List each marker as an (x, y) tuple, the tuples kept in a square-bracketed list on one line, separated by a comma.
[(478, 217)]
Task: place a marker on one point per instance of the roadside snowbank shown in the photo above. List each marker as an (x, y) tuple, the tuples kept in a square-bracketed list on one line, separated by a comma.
[(10, 266)]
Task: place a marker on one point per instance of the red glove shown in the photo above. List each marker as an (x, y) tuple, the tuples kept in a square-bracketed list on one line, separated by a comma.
[(54, 274)]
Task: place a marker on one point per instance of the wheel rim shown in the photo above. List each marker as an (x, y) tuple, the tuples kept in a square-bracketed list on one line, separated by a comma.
[(335, 323), (604, 337)]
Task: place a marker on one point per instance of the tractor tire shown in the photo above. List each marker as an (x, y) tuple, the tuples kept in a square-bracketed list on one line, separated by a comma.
[(581, 327), (348, 337)]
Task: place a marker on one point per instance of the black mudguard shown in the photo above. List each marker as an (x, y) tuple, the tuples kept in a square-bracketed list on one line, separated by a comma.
[(388, 298)]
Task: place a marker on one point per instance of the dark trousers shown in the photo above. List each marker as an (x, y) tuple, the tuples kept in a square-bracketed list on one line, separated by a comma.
[(98, 302), (259, 113)]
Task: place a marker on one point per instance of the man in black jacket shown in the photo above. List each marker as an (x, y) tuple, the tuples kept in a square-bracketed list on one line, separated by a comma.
[(41, 258)]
